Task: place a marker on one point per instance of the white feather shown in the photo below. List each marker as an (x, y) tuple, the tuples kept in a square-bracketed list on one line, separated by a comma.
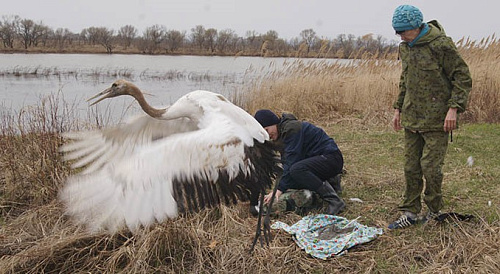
[(470, 161), (129, 170)]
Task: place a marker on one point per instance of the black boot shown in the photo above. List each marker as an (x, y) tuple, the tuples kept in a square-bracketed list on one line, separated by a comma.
[(328, 194), (335, 182)]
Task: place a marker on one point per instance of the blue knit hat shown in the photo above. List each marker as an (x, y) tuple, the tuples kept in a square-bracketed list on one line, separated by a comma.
[(266, 117), (407, 17)]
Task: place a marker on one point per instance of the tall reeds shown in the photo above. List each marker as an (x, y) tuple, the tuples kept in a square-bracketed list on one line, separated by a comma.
[(366, 88), (483, 58), (31, 166), (36, 236)]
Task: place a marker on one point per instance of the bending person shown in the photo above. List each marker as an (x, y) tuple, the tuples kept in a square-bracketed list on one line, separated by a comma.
[(309, 156)]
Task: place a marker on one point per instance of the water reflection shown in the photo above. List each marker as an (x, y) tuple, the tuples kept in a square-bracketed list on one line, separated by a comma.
[(26, 78)]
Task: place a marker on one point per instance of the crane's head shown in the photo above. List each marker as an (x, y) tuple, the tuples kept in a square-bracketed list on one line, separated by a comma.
[(119, 87)]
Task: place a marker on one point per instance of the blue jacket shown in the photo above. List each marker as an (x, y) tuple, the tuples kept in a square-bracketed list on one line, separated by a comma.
[(300, 140)]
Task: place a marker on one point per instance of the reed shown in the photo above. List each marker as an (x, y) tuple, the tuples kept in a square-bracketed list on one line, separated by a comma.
[(366, 88), (32, 169), (352, 103), (101, 73)]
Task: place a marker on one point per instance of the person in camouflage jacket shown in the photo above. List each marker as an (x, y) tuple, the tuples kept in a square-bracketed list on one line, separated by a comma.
[(434, 87)]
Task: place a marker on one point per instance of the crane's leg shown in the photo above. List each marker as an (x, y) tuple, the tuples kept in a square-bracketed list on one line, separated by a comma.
[(259, 222), (266, 228), (267, 219)]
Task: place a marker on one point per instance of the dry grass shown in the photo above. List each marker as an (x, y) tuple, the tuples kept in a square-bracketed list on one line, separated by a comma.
[(367, 88), (218, 240), (483, 58), (353, 105)]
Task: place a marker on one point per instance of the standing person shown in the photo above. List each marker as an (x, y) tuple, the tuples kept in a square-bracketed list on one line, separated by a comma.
[(434, 87), (309, 157)]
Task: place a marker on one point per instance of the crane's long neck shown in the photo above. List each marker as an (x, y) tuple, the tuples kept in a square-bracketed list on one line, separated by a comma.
[(151, 111)]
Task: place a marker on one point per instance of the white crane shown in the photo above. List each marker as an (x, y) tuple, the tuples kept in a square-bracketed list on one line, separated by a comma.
[(199, 152)]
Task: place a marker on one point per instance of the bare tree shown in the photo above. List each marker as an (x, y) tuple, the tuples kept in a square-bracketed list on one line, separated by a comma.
[(238, 44), (253, 41), (294, 43), (153, 37), (40, 34), (15, 31), (127, 34), (271, 36), (225, 38), (345, 45), (382, 44), (61, 37), (210, 39), (367, 44), (25, 31), (174, 39), (269, 41), (308, 37), (31, 33), (105, 38), (8, 30), (280, 47), (198, 36), (90, 35)]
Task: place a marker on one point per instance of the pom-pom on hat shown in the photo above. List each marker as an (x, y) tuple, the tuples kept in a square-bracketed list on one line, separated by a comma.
[(266, 118), (407, 17)]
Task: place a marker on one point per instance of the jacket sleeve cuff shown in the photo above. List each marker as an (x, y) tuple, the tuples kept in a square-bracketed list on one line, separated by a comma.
[(459, 108), (282, 188)]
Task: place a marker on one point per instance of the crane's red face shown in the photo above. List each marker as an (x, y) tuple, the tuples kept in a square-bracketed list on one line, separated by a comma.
[(272, 131)]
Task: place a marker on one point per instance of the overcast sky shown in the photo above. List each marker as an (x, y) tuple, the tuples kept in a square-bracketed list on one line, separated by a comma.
[(328, 18)]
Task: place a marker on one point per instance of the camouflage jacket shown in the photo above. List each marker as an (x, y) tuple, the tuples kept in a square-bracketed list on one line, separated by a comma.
[(434, 78)]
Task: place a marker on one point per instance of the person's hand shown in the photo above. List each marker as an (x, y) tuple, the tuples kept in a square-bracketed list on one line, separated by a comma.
[(396, 120), (450, 122), (268, 197)]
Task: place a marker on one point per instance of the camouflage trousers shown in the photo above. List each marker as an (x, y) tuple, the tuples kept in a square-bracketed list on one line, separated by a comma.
[(299, 201), (424, 158)]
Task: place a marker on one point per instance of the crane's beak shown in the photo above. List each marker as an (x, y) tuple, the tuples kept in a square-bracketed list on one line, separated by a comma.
[(107, 93)]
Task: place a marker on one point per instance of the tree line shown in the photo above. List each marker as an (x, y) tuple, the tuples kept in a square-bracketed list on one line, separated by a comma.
[(27, 35)]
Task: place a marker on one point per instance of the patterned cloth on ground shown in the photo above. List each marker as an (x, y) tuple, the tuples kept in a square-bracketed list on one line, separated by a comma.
[(323, 236)]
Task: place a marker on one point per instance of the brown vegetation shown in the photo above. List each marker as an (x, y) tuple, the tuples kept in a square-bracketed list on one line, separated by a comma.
[(367, 87), (353, 104)]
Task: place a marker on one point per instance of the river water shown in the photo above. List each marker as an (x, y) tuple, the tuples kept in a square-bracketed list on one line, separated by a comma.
[(25, 79)]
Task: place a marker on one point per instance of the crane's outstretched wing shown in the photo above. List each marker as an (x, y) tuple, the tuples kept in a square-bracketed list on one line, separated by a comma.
[(200, 105), (158, 179), (93, 149)]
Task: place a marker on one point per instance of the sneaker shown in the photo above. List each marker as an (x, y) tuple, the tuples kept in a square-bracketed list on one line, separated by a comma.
[(402, 222)]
